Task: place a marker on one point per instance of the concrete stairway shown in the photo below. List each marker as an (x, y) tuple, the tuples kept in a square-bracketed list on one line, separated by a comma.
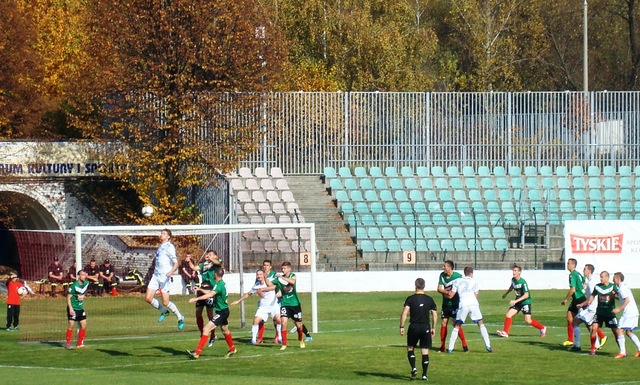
[(336, 249)]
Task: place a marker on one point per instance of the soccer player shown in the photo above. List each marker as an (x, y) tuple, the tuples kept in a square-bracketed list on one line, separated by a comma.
[(587, 314), (521, 303), (449, 305), (419, 306), (13, 301), (605, 294), (629, 319), (467, 288), (290, 304), (268, 305), (207, 280), (220, 319), (55, 275), (166, 263), (108, 280), (576, 293), (75, 309)]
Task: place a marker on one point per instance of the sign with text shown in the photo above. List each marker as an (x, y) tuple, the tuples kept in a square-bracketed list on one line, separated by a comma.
[(305, 259), (409, 257), (607, 245)]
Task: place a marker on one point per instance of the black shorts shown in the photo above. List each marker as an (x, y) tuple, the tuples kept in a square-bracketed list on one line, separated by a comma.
[(294, 312), (78, 315), (610, 322), (448, 312), (525, 309), (573, 308), (221, 318), (419, 333)]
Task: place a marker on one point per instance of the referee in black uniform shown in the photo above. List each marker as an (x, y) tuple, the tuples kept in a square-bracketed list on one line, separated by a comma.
[(418, 306)]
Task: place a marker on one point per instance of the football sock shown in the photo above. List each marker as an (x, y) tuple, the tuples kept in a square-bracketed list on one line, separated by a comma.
[(623, 349), (305, 331), (600, 334), (485, 335), (261, 331), (174, 309), (461, 335), (200, 323), (69, 336), (569, 331), (576, 336), (454, 337), (507, 325), (300, 334), (279, 331), (254, 332), (412, 359), (229, 340), (443, 334), (593, 342), (81, 334), (537, 325), (635, 340), (201, 343), (155, 303), (425, 363), (284, 336)]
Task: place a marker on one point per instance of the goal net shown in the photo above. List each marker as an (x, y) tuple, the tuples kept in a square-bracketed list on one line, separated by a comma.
[(130, 250)]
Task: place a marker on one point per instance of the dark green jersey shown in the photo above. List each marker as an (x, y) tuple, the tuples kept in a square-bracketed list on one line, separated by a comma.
[(448, 283), (77, 291), (208, 276), (606, 297), (220, 300), (520, 287), (577, 281), (289, 293)]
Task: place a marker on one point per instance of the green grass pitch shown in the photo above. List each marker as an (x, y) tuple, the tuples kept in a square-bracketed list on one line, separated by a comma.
[(358, 343)]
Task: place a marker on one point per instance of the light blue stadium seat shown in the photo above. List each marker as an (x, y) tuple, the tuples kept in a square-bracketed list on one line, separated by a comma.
[(548, 182), (405, 207), (391, 207), (553, 206), (452, 171), (356, 196), (415, 232), (366, 246), (406, 171), (466, 220), (626, 207), (608, 171), (330, 172), (507, 207), (360, 172), (554, 219), (564, 194), (437, 171), (442, 183), (594, 182), (402, 233), (433, 245), (578, 182), (579, 194), (346, 207), (474, 244), (566, 207), (421, 245), (611, 216), (625, 217), (546, 171), (448, 207), (495, 218), (419, 207), (562, 182), (463, 207), (376, 208), (534, 195), (387, 232), (580, 207), (395, 184), (499, 171), (471, 183), (429, 232), (468, 171), (438, 219), (410, 183), (422, 171), (493, 207), (380, 184), (370, 196), (407, 245), (434, 207), (342, 196), (469, 231), (636, 206), (352, 220), (577, 171), (453, 219), (530, 171), (477, 206), (446, 244), (636, 182), (502, 244), (374, 233), (505, 195), (400, 195), (487, 245), (537, 206), (456, 232), (391, 172), (365, 184), (362, 207), (609, 182), (610, 194), (532, 182), (610, 206), (474, 195), (636, 194), (460, 245), (455, 183), (502, 183), (426, 183), (344, 172), (350, 184), (624, 182), (625, 194), (484, 232), (490, 195), (514, 171), (459, 195), (562, 171), (498, 232), (382, 219), (487, 182), (430, 195), (595, 206), (367, 220), (444, 195), (380, 245), (375, 172), (482, 219), (582, 216), (336, 184), (624, 171), (385, 195), (484, 171), (593, 171)]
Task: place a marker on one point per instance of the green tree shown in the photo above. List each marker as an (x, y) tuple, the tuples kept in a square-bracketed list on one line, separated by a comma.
[(163, 81)]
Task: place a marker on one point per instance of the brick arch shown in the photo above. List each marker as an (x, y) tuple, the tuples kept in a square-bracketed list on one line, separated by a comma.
[(42, 205)]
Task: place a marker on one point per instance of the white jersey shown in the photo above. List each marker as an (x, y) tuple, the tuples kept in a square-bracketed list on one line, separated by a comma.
[(631, 310), (467, 289), (269, 298), (591, 283), (165, 258)]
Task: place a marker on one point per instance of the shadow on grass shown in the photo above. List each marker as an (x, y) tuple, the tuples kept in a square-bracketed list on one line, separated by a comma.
[(558, 347), (393, 376), (171, 351), (114, 353)]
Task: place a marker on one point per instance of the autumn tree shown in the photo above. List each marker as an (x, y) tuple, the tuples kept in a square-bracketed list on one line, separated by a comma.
[(164, 82)]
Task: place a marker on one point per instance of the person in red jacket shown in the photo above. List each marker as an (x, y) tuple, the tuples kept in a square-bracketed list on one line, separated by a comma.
[(13, 301)]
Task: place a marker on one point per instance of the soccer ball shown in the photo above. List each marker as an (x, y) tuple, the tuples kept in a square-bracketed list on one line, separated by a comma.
[(147, 211), (22, 290)]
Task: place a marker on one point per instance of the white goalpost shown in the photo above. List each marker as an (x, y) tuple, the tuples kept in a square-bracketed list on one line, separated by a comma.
[(236, 259)]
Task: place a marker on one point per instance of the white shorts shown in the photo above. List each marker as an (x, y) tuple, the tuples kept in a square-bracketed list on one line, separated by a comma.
[(271, 311), (472, 311), (161, 282), (587, 316), (628, 322)]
